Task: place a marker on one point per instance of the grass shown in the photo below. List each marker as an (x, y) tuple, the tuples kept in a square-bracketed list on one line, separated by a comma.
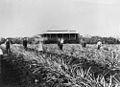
[(73, 67)]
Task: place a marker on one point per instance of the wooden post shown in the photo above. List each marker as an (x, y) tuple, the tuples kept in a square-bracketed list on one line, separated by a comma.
[(50, 36), (75, 36), (62, 35), (69, 36)]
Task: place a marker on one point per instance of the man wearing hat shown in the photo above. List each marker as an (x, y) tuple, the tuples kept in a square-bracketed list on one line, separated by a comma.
[(60, 43), (25, 42), (83, 43), (7, 43), (99, 44)]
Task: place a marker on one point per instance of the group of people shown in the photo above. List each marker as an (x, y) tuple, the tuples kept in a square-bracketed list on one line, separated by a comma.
[(8, 46), (7, 43), (24, 43), (99, 43), (40, 45), (83, 43)]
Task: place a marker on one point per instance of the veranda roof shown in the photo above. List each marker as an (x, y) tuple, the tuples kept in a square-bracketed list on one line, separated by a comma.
[(61, 32)]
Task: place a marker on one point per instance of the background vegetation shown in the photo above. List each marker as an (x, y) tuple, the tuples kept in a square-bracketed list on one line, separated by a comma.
[(88, 40)]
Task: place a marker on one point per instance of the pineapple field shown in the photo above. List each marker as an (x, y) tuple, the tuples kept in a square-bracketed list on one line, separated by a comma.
[(74, 66)]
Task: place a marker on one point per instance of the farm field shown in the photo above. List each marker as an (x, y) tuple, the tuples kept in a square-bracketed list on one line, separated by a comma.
[(75, 66)]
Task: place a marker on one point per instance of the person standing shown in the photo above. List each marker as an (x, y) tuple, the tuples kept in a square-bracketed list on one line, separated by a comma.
[(7, 43), (1, 52), (40, 46), (99, 44), (83, 43), (60, 43), (25, 42), (1, 57)]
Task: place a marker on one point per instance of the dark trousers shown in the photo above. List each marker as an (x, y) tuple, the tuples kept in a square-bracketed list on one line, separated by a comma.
[(8, 50), (83, 44), (99, 47), (25, 46), (61, 46)]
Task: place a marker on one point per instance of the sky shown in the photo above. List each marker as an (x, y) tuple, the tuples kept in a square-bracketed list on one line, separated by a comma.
[(30, 17)]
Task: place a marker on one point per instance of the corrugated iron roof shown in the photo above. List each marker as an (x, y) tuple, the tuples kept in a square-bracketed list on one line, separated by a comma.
[(60, 31)]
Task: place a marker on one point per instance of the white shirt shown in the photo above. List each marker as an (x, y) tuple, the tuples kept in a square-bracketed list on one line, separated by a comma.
[(40, 47), (62, 41), (1, 52), (99, 43)]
